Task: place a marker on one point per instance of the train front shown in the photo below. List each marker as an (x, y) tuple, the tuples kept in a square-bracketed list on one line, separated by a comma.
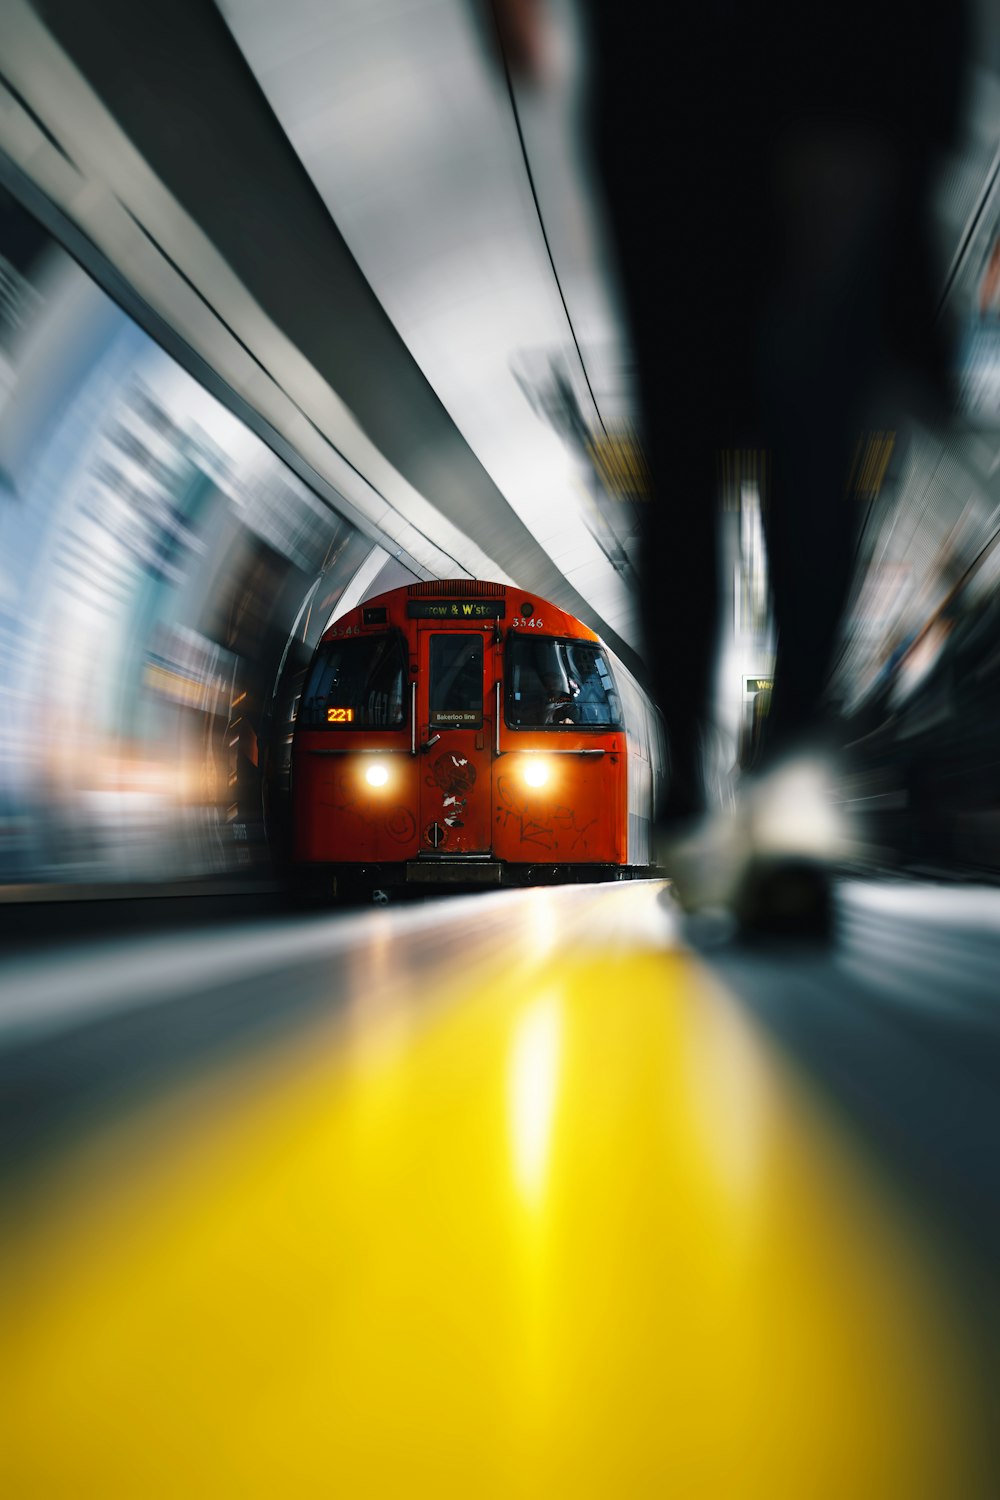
[(459, 734)]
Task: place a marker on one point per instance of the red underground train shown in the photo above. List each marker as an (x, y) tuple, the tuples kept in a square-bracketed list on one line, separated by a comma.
[(465, 733)]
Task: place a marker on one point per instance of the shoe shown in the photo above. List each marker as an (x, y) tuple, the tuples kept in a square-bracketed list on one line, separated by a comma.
[(766, 862), (705, 859)]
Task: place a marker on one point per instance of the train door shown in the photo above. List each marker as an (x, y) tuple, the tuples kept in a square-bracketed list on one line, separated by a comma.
[(455, 792)]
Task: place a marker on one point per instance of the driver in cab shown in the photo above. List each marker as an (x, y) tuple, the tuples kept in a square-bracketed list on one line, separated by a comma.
[(559, 705)]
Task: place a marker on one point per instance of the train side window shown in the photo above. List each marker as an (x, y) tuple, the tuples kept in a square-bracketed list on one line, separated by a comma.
[(356, 684), (552, 683), (456, 680)]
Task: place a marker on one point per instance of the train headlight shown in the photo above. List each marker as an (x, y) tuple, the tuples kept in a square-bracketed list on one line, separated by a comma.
[(536, 772), (377, 775)]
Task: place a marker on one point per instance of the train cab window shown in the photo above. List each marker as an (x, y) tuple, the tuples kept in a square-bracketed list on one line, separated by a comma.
[(553, 682), (356, 684), (455, 691)]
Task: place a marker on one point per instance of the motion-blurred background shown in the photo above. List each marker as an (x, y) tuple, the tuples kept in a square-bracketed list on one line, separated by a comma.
[(299, 303)]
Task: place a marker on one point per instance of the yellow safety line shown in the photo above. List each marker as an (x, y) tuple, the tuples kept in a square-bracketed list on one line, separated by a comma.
[(573, 1231)]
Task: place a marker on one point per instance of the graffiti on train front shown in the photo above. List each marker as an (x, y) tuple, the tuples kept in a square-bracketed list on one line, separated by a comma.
[(455, 775), (368, 813), (548, 828)]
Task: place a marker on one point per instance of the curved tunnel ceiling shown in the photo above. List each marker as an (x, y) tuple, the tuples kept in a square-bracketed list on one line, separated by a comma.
[(464, 203), (144, 126)]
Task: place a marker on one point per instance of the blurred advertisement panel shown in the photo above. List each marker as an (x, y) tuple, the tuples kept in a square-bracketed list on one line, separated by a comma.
[(154, 557)]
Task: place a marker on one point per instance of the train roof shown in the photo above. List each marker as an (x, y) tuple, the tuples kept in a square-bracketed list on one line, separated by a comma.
[(497, 601)]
